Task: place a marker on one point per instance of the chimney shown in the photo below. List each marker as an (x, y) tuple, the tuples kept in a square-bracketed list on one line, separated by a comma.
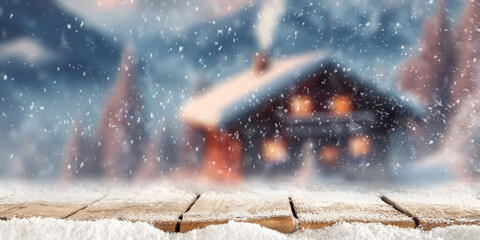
[(261, 62)]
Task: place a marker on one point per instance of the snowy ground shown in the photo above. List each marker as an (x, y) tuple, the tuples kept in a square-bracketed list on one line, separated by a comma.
[(47, 228)]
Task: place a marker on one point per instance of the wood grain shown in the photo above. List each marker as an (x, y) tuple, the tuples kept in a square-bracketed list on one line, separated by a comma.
[(40, 209), (164, 207), (321, 209), (45, 203), (3, 206), (161, 209), (272, 211), (439, 208)]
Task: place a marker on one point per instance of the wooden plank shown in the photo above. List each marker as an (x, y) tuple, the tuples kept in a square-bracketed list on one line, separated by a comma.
[(321, 209), (41, 210), (439, 208), (46, 203), (271, 211), (3, 208), (159, 207), (5, 192)]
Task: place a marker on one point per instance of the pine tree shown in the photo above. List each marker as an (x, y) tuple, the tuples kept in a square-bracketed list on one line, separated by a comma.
[(428, 76), (468, 53), (79, 161), (121, 133)]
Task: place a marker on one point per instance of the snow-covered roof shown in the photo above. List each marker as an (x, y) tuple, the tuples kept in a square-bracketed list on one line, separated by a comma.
[(230, 100)]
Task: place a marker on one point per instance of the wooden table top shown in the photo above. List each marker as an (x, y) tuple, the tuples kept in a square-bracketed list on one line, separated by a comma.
[(286, 210)]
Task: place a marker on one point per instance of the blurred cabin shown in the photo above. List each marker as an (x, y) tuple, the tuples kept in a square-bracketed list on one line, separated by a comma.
[(260, 120)]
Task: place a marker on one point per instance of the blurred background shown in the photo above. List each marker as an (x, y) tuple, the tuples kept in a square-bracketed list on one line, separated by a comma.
[(122, 90)]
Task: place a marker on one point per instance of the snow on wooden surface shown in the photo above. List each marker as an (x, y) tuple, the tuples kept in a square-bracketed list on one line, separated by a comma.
[(174, 208), (270, 209), (3, 207), (326, 208), (160, 206), (36, 201), (34, 193), (439, 207)]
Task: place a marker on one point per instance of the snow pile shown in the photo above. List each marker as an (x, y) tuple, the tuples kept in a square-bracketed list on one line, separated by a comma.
[(86, 193), (38, 228), (379, 231), (14, 193), (48, 228), (232, 230), (147, 194)]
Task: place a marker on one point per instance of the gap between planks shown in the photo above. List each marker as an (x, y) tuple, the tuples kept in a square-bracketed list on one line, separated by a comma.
[(400, 209), (179, 221), (82, 208), (292, 207), (294, 212)]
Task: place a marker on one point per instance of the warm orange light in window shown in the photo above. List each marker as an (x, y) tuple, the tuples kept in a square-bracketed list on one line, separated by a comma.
[(359, 146), (301, 105), (274, 150), (330, 155), (342, 105)]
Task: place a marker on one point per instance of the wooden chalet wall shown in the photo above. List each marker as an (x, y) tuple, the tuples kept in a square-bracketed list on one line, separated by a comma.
[(223, 157)]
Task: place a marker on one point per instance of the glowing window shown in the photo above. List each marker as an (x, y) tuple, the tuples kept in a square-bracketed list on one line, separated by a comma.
[(341, 105), (301, 105), (359, 146), (330, 155), (274, 150)]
